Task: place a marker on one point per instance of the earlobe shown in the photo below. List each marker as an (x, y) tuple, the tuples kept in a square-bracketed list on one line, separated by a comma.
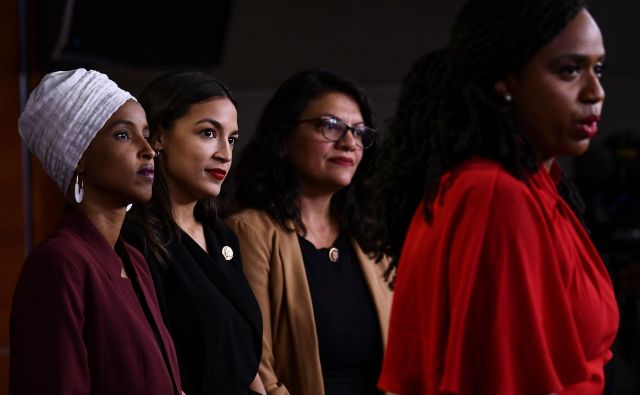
[(504, 89), (157, 143), (79, 167)]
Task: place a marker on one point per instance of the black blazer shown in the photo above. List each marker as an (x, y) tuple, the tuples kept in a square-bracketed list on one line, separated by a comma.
[(209, 308)]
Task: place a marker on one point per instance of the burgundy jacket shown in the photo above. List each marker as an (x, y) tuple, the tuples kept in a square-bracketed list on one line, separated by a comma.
[(78, 327)]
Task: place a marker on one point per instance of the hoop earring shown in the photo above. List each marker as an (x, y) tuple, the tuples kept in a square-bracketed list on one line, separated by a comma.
[(129, 206), (78, 190)]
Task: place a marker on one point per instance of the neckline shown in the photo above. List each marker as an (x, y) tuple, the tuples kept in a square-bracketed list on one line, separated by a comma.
[(333, 244)]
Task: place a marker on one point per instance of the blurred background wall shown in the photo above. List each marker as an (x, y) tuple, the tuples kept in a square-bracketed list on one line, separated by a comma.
[(254, 45)]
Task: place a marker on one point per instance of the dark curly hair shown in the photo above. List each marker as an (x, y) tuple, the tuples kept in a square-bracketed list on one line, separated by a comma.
[(448, 111), (165, 100), (267, 181)]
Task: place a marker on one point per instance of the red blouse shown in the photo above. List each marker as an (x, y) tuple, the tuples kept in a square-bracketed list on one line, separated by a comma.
[(502, 293)]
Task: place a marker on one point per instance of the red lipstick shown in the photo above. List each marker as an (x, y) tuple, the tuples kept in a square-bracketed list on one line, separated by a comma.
[(342, 161), (218, 174), (589, 126)]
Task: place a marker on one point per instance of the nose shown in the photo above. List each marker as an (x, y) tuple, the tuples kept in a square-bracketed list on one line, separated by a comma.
[(224, 152), (593, 91), (348, 141), (145, 150)]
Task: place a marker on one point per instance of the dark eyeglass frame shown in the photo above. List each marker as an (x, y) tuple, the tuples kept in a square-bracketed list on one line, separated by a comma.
[(357, 131)]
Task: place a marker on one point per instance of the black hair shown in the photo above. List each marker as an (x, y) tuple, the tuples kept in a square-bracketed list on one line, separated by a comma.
[(267, 181), (165, 100), (449, 111)]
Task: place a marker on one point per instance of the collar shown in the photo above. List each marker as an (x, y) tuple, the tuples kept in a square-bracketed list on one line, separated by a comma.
[(76, 222)]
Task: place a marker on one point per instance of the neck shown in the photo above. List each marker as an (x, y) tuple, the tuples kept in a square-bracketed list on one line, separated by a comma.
[(184, 217), (322, 227), (547, 163), (107, 221), (315, 210)]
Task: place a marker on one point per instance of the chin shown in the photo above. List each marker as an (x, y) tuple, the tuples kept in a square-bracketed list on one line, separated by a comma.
[(579, 149), (141, 197), (211, 193)]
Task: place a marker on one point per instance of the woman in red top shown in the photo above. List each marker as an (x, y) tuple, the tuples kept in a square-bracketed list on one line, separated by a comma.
[(498, 289)]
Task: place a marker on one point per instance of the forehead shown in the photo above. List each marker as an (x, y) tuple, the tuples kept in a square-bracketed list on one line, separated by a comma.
[(130, 112), (216, 105), (581, 37), (335, 103)]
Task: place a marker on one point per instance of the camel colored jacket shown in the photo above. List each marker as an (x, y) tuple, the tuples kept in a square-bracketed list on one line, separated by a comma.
[(274, 267)]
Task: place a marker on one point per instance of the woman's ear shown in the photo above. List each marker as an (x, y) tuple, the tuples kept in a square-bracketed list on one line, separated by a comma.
[(502, 90), (506, 88), (79, 167), (158, 141)]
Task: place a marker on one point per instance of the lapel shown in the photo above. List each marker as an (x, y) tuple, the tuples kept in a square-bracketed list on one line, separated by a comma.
[(99, 248), (110, 260), (153, 309), (229, 281), (299, 305), (378, 288)]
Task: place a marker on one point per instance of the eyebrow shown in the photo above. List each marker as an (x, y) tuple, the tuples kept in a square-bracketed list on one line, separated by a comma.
[(215, 123), (211, 121), (578, 58), (126, 122), (340, 119)]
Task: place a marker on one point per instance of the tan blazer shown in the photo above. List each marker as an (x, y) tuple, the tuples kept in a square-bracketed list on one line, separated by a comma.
[(274, 266)]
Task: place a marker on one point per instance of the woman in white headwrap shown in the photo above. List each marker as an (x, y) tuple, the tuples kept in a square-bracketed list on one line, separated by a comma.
[(85, 318)]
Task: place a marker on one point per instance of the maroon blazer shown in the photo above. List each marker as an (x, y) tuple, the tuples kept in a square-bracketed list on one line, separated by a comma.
[(77, 326)]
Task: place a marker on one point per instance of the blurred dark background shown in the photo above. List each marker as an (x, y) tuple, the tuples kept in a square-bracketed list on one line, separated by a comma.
[(252, 46)]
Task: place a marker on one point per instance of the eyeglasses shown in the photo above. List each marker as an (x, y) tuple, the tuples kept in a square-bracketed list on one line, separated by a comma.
[(334, 129)]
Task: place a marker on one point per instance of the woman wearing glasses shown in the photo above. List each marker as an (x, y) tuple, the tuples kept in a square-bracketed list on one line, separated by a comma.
[(324, 302)]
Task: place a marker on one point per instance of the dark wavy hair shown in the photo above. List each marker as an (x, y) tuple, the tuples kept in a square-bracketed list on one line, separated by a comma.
[(449, 111), (267, 181), (165, 100)]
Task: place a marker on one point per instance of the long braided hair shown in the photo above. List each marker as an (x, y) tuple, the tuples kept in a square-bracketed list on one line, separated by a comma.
[(448, 111)]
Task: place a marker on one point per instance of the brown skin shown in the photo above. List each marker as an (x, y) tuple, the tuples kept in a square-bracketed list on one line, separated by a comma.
[(558, 89), (109, 169), (323, 167)]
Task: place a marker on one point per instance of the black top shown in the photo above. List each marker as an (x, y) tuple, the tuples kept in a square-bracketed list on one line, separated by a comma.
[(210, 311), (347, 323)]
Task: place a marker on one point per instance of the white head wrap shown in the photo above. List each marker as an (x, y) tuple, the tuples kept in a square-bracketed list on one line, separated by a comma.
[(63, 114)]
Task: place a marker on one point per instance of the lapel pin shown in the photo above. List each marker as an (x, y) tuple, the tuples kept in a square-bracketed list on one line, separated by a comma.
[(227, 253)]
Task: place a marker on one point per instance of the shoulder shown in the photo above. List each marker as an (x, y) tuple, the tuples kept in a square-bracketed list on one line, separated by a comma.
[(483, 182), (254, 220), (484, 174), (62, 250), (60, 259)]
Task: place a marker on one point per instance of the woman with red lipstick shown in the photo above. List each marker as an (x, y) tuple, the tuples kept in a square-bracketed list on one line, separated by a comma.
[(499, 289), (194, 258), (85, 318), (324, 302)]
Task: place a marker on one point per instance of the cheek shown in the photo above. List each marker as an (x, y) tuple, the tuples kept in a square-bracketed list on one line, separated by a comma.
[(185, 157), (359, 155), (111, 161), (306, 153)]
